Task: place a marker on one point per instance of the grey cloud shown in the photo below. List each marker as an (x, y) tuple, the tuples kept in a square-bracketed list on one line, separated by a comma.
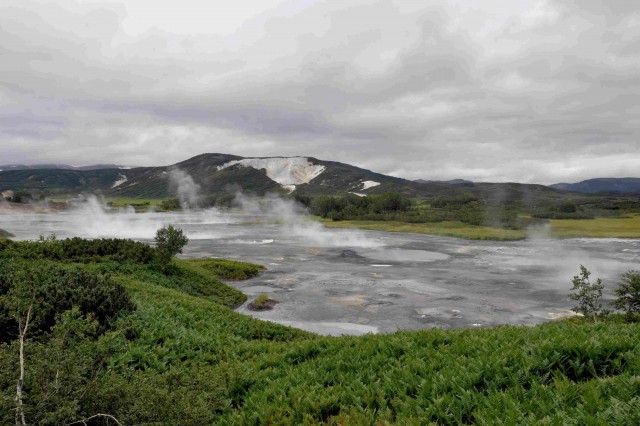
[(397, 91)]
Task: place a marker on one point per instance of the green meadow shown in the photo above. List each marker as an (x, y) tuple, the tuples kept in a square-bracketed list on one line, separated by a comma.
[(170, 350), (610, 227), (444, 229)]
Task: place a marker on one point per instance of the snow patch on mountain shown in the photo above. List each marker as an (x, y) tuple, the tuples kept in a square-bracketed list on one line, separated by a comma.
[(369, 184), (121, 179), (287, 171)]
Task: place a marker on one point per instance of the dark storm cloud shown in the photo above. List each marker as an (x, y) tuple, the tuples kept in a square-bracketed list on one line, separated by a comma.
[(534, 91)]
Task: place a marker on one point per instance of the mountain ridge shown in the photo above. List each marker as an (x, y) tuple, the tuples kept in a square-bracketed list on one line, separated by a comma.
[(627, 185), (218, 173)]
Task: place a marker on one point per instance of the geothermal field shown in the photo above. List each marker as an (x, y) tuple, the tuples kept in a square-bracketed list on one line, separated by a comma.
[(333, 281)]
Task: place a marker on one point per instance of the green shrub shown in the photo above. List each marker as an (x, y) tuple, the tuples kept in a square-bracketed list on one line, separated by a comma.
[(80, 250), (53, 289), (229, 269), (259, 301), (169, 242), (588, 295), (628, 293), (170, 204)]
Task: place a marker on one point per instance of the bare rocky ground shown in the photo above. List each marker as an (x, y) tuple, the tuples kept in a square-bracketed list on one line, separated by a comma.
[(410, 282)]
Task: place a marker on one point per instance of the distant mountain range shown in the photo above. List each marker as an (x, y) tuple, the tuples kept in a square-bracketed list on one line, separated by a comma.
[(602, 185), (58, 167), (216, 174), (452, 181)]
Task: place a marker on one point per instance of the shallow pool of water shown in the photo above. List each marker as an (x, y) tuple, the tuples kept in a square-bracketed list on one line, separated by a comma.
[(336, 281)]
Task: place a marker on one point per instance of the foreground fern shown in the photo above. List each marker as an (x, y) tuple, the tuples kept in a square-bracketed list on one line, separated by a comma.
[(183, 357)]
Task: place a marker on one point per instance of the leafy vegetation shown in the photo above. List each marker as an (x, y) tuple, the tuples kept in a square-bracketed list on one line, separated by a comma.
[(169, 242), (587, 294), (612, 227), (19, 196), (229, 269), (628, 293), (262, 303), (138, 204), (565, 209), (445, 229), (51, 289), (80, 250), (183, 357)]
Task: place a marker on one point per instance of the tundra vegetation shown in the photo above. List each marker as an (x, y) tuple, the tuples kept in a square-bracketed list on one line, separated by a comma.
[(471, 211), (471, 217), (95, 327)]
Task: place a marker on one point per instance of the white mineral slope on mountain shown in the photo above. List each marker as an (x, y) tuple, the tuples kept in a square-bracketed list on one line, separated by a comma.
[(121, 179), (369, 184), (287, 171)]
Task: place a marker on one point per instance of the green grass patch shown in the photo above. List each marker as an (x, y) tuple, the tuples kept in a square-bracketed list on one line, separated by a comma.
[(445, 229), (139, 204), (185, 275), (610, 227), (228, 269)]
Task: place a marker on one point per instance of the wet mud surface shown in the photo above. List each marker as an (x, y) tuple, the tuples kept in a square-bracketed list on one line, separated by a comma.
[(335, 281)]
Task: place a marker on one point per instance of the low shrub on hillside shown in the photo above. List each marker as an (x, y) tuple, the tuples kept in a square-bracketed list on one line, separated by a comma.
[(51, 289), (80, 250), (229, 269)]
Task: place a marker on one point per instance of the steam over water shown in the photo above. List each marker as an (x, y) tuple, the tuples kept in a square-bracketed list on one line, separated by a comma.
[(342, 281)]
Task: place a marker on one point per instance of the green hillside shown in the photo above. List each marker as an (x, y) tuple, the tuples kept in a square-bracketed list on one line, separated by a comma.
[(337, 178), (166, 349), (498, 205), (58, 181)]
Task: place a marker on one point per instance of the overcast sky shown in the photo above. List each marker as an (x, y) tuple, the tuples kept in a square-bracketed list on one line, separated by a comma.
[(514, 90)]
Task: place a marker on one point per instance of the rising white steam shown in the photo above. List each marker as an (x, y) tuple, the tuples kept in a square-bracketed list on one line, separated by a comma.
[(92, 218), (184, 188), (296, 223)]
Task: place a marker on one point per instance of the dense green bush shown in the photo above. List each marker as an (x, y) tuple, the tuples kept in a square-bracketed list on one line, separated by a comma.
[(465, 208), (352, 206), (229, 269), (565, 209), (628, 293), (80, 250), (52, 289), (169, 242), (170, 204)]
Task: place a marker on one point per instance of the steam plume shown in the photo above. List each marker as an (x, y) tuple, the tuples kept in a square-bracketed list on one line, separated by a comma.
[(186, 190)]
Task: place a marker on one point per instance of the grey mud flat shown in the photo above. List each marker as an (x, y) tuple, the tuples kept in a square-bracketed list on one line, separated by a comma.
[(336, 281)]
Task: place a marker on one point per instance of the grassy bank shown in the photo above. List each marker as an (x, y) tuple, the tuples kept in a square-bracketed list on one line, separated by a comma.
[(445, 229), (611, 227), (614, 227), (182, 356), (139, 204)]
